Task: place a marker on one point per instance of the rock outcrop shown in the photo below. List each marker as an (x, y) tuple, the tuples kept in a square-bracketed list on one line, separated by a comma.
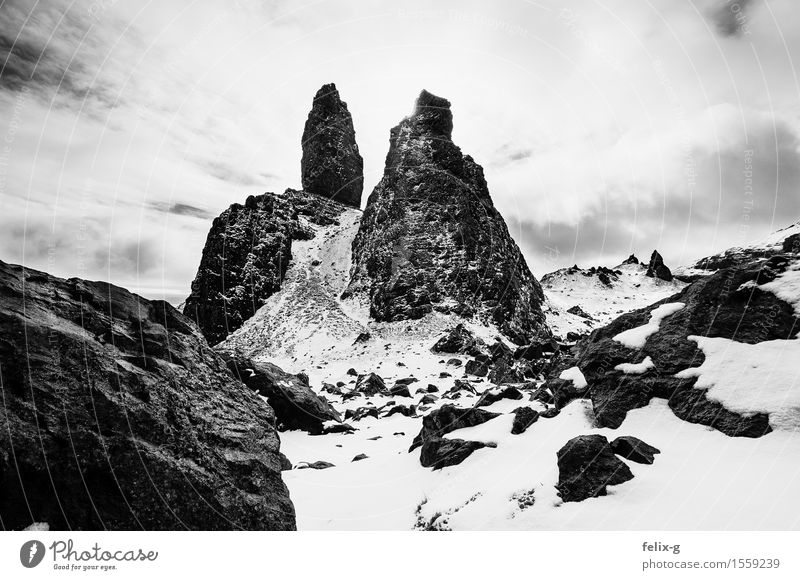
[(449, 418), (118, 415), (587, 466), (431, 239), (729, 303), (331, 164), (657, 269), (295, 404), (247, 252)]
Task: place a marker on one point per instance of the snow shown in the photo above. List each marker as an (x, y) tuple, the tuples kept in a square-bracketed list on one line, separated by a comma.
[(787, 286), (631, 291), (636, 368), (637, 337), (575, 375), (702, 479), (751, 378)]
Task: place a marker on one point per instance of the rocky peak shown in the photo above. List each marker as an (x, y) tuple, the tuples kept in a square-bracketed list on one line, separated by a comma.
[(247, 252), (431, 240), (632, 259), (657, 269), (331, 165)]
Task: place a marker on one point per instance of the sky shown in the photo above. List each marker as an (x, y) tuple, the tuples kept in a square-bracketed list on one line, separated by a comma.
[(604, 128)]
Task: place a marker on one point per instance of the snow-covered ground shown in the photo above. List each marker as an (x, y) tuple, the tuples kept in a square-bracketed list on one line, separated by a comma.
[(630, 290), (702, 479)]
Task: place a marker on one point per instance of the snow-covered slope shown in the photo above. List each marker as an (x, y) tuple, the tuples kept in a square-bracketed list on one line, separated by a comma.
[(767, 246), (603, 294)]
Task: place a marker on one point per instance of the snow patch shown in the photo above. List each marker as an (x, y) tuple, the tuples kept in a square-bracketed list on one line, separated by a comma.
[(636, 368), (751, 378), (575, 375), (637, 337)]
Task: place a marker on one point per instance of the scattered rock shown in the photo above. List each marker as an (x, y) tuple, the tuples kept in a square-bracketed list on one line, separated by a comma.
[(362, 338), (634, 449), (361, 413), (578, 311), (439, 453), (491, 396), (586, 466), (405, 410), (315, 465), (360, 457), (448, 418), (524, 417), (371, 385), (295, 403)]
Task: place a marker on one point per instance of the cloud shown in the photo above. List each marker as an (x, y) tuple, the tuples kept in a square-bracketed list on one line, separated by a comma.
[(730, 17), (182, 209)]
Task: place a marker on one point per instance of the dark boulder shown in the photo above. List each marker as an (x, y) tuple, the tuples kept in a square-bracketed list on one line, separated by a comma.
[(459, 340), (478, 368), (118, 415), (439, 453), (405, 410), (447, 419), (331, 165), (524, 417), (370, 385), (360, 457), (586, 466), (634, 449), (295, 403), (578, 311), (360, 413), (791, 245), (315, 465), (491, 396)]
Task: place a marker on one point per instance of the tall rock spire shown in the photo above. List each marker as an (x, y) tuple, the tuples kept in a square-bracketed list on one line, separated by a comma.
[(431, 240), (331, 164)]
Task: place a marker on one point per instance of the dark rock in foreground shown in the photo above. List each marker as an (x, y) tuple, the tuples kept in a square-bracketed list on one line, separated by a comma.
[(295, 404), (331, 164), (432, 240), (586, 466), (118, 415), (634, 449)]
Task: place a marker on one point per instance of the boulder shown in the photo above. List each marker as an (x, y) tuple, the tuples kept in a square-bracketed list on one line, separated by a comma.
[(360, 457), (587, 466), (634, 449), (447, 419), (118, 415), (361, 413), (491, 396), (524, 417), (315, 465), (439, 453), (295, 403), (405, 410), (370, 385)]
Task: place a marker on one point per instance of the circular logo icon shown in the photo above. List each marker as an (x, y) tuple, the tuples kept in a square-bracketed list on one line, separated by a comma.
[(31, 553)]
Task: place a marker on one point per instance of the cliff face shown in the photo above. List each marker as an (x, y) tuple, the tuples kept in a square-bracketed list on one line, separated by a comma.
[(247, 252), (118, 415), (331, 165), (431, 240)]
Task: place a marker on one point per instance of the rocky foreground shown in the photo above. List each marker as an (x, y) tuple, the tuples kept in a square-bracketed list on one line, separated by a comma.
[(118, 415)]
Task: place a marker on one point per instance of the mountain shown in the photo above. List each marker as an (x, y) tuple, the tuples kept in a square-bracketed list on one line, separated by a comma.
[(579, 300), (431, 239), (118, 415)]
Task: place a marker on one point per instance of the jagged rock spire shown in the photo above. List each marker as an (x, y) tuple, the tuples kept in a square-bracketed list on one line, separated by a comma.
[(657, 268), (431, 239), (331, 164)]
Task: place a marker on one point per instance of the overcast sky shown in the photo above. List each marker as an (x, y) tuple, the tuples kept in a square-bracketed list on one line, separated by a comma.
[(604, 128)]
